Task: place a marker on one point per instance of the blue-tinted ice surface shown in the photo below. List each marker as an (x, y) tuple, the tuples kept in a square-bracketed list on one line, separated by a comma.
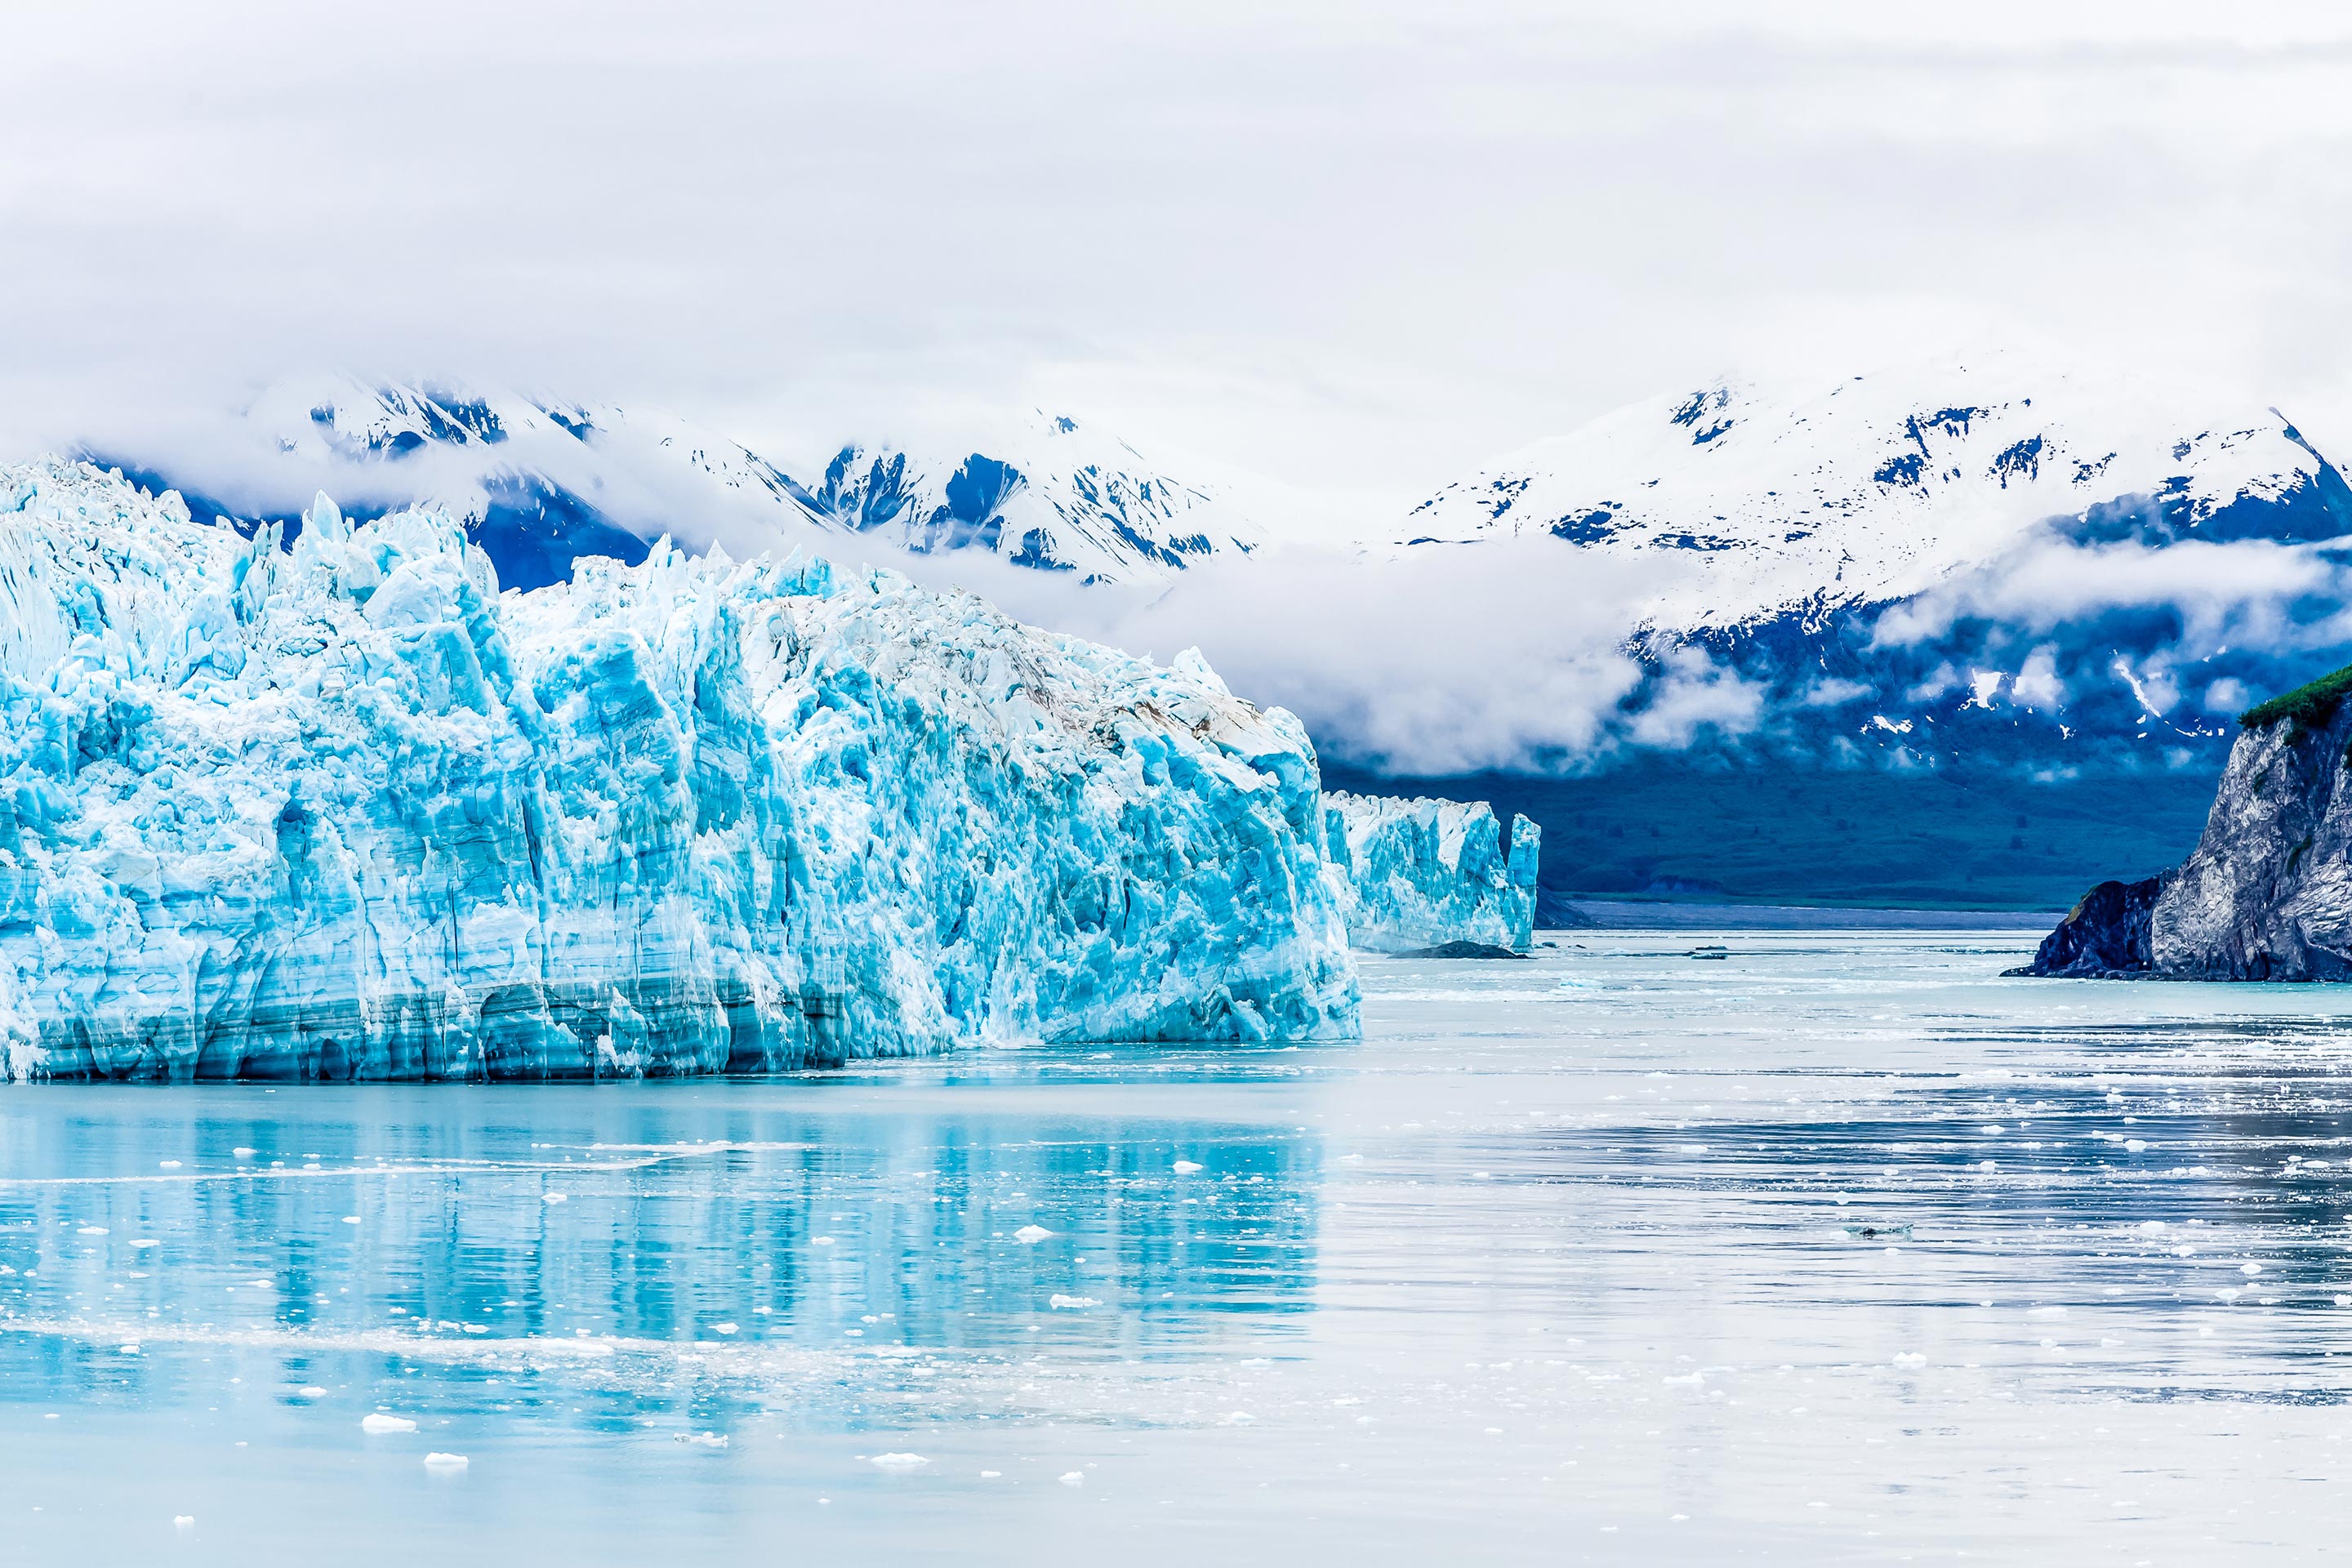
[(1838, 1249), (1415, 873), (350, 812)]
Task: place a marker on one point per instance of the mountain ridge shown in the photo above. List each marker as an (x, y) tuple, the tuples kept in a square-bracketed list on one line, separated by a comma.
[(544, 479)]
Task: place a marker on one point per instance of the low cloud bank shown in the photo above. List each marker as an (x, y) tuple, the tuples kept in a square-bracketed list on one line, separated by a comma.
[(1528, 654), (1525, 656)]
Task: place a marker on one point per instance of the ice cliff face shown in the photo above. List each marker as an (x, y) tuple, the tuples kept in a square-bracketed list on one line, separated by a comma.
[(1420, 873), (2267, 894), (350, 812)]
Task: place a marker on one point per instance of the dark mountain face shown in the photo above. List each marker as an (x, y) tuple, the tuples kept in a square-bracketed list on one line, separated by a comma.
[(1711, 828)]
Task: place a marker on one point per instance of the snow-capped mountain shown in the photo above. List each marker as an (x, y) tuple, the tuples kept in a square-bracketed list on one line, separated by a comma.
[(541, 480), (1983, 561), (1877, 486)]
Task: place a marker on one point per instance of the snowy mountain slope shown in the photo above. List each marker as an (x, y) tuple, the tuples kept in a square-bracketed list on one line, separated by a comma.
[(540, 481), (1765, 497)]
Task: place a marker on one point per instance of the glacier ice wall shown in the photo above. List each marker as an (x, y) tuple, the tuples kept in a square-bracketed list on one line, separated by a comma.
[(1419, 873), (347, 811)]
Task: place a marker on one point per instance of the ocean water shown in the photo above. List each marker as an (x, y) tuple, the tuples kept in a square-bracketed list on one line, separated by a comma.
[(1836, 1249)]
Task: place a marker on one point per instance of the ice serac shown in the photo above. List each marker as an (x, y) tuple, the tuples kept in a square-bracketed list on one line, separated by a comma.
[(1422, 873), (350, 812)]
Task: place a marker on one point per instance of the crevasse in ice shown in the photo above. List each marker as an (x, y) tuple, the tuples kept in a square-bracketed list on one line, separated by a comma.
[(347, 811), (1419, 873)]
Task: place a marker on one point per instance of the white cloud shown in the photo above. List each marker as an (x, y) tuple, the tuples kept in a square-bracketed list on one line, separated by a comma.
[(2228, 695), (1447, 660), (2037, 684), (1360, 247)]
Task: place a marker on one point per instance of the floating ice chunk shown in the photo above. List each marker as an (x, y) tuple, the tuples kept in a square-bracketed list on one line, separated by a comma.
[(351, 1219), (1072, 1303), (2136, 1145), (146, 1241), (704, 1439), (1185, 1167), (822, 1241), (92, 1230), (1074, 1478), (898, 1461), (723, 1327), (168, 1164), (2249, 1268), (184, 1521), (1993, 1130), (376, 1421), (1680, 1379), (554, 1197), (990, 1475), (310, 1391), (438, 1461), (1910, 1360), (1031, 1234), (242, 1152)]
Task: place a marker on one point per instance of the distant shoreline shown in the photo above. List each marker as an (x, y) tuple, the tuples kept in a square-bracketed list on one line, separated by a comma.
[(1628, 915)]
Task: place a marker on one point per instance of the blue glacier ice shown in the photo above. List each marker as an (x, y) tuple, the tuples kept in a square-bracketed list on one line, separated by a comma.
[(1412, 873), (349, 811)]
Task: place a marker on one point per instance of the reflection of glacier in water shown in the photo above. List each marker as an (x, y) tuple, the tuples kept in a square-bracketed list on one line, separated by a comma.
[(547, 1217), (1837, 1249)]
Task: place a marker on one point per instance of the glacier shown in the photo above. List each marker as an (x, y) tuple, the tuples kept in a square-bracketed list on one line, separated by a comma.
[(349, 811), (1422, 873)]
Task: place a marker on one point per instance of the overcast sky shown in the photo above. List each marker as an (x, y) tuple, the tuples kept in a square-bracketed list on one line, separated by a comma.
[(1360, 247)]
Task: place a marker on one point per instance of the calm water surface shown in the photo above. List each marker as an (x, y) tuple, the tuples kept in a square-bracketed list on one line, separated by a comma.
[(1838, 1249)]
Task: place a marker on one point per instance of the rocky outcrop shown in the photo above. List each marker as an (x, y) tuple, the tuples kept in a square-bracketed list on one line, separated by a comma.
[(2268, 893), (2104, 936)]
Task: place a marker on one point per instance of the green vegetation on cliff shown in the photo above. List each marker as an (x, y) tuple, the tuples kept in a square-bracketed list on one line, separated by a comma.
[(2309, 706)]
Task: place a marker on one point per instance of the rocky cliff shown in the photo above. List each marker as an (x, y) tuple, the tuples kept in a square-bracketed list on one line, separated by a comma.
[(2268, 893)]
